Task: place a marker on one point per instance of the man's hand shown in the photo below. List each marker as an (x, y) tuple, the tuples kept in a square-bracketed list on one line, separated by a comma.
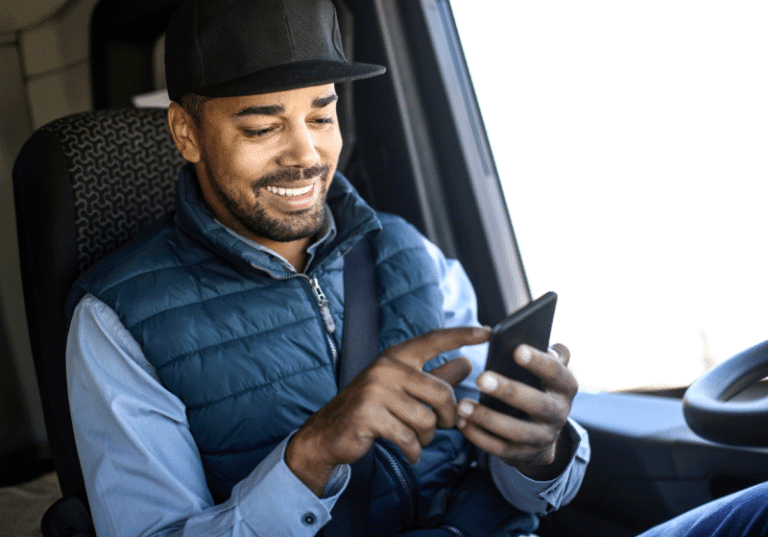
[(536, 447), (392, 398)]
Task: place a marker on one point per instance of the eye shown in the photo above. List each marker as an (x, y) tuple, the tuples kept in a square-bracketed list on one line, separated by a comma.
[(324, 120), (254, 133)]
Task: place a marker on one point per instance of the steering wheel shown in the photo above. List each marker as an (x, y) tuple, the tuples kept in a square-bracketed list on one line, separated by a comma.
[(709, 411)]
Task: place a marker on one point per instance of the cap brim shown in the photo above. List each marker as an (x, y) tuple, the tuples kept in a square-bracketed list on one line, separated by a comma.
[(292, 76)]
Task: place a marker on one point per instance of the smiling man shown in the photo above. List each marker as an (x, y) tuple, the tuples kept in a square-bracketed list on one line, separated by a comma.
[(264, 163), (203, 357)]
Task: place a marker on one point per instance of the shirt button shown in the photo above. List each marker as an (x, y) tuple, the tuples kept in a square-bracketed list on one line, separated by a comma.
[(309, 519)]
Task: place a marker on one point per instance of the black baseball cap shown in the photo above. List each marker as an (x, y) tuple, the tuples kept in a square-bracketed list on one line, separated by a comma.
[(224, 48)]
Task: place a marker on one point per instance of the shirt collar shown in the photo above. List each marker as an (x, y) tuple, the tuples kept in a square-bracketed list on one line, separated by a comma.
[(326, 234)]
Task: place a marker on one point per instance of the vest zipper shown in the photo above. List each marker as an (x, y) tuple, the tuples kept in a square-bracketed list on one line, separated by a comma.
[(322, 302), (325, 313), (401, 479)]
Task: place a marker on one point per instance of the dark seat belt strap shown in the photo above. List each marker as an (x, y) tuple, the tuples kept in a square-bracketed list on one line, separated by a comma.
[(359, 347), (360, 340)]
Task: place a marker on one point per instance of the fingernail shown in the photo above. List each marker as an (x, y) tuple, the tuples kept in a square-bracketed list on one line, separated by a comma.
[(461, 423), (524, 355), (466, 408), (481, 331), (488, 382)]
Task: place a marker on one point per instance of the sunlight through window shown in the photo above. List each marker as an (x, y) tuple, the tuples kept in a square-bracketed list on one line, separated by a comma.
[(631, 140)]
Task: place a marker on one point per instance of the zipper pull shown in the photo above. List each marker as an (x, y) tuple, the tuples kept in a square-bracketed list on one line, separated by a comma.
[(322, 301)]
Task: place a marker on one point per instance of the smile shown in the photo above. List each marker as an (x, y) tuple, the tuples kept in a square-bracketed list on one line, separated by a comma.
[(289, 192)]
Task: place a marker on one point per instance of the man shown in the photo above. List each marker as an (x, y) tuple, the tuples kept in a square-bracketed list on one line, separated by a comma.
[(202, 358)]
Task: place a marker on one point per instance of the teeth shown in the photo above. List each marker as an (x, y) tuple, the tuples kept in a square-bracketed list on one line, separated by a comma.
[(289, 192)]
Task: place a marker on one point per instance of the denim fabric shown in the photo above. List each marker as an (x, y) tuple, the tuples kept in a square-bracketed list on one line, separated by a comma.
[(742, 514)]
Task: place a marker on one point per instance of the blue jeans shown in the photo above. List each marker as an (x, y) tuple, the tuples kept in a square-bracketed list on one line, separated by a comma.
[(742, 514)]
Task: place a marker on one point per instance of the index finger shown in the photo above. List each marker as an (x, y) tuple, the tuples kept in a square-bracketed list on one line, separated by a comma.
[(421, 349)]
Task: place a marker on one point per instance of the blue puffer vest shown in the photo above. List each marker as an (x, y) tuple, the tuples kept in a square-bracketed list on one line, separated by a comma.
[(240, 338)]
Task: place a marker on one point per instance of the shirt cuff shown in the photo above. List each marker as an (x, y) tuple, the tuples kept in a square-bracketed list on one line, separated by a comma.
[(542, 497), (276, 502)]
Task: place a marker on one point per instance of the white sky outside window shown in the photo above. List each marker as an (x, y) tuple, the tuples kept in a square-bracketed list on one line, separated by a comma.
[(631, 139)]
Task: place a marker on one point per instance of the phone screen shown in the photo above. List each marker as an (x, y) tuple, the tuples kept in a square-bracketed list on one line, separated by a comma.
[(532, 325)]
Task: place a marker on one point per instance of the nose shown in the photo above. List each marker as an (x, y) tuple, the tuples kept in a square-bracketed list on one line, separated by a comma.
[(300, 151)]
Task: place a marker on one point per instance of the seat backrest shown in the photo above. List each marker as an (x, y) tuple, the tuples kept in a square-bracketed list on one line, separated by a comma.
[(83, 186)]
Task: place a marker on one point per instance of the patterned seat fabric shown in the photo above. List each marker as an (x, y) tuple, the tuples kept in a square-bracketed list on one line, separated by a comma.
[(123, 166), (83, 186)]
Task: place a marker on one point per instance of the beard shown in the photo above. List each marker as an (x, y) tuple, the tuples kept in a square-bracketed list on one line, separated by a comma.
[(293, 226)]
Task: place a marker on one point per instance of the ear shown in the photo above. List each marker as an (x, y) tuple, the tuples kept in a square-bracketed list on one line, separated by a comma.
[(185, 132)]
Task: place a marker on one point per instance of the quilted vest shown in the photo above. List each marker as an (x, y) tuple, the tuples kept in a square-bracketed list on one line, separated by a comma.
[(241, 339)]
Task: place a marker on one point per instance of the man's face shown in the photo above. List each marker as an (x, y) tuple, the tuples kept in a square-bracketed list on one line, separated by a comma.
[(266, 161)]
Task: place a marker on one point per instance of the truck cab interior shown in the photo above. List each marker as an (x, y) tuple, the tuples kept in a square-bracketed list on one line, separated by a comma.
[(415, 144)]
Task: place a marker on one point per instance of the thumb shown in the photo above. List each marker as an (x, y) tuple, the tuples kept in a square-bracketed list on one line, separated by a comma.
[(453, 372)]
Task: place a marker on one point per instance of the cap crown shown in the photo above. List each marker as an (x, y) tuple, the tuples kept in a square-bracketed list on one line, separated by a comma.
[(213, 44)]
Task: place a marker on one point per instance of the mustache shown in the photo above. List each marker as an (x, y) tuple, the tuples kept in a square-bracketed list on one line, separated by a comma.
[(292, 175)]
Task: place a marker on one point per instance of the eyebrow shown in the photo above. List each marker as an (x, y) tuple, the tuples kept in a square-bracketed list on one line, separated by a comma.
[(269, 110), (322, 102), (275, 109)]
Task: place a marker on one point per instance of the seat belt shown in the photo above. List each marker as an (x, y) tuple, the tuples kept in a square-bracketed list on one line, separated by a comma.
[(360, 340), (359, 347)]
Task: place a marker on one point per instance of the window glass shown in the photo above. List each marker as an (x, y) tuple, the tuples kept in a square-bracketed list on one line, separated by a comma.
[(631, 139)]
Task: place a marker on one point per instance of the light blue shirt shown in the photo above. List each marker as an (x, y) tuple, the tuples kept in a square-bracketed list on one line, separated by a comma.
[(142, 468)]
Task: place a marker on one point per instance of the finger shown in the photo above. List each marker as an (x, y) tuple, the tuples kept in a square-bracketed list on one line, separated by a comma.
[(554, 375), (421, 419), (438, 395), (454, 371), (415, 385), (397, 432), (420, 349), (507, 428), (561, 353), (543, 407), (493, 444)]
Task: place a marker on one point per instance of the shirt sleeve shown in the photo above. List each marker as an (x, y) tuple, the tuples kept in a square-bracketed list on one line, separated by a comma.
[(539, 497), (142, 468)]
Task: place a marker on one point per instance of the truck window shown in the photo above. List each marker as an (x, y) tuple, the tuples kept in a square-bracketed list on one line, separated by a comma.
[(630, 139)]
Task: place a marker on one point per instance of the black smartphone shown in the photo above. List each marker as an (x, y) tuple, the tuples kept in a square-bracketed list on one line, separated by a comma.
[(532, 325)]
